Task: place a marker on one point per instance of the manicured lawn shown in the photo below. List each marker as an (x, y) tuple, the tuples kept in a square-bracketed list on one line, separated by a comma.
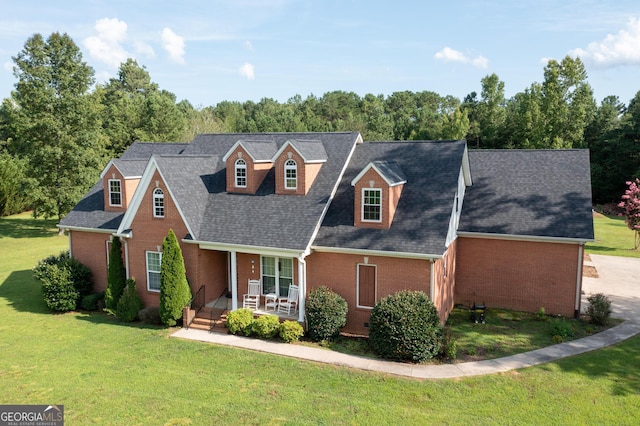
[(105, 372), (612, 237)]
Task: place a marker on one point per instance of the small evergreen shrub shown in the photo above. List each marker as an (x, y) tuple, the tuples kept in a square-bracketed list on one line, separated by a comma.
[(599, 309), (150, 315), (449, 348), (291, 331), (326, 313), (92, 302), (129, 303), (64, 281), (561, 329), (266, 326), (175, 292), (116, 277), (240, 321), (405, 326)]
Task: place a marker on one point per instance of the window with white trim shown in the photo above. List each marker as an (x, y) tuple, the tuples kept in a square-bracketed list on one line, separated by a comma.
[(158, 203), (371, 205), (277, 270), (290, 174), (241, 173), (115, 192), (154, 260)]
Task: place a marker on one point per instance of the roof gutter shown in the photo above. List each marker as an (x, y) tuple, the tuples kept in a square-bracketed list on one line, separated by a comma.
[(263, 250), (529, 238), (404, 255), (82, 229)]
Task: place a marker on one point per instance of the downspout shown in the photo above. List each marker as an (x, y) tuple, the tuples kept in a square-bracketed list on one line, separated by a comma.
[(432, 278), (302, 283), (576, 312), (234, 281), (70, 246), (126, 257)]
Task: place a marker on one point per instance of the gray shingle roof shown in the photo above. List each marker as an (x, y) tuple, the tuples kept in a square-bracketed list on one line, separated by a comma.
[(530, 193), (144, 150), (89, 212), (391, 171), (422, 217), (131, 168), (311, 150), (260, 150)]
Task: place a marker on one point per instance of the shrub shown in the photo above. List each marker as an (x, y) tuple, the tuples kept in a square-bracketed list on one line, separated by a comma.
[(240, 321), (92, 301), (291, 331), (599, 309), (129, 303), (266, 326), (326, 313), (116, 277), (175, 293), (150, 315), (405, 326), (449, 348), (561, 329), (64, 281), (541, 314)]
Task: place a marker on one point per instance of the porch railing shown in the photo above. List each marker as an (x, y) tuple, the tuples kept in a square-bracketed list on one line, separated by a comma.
[(198, 300)]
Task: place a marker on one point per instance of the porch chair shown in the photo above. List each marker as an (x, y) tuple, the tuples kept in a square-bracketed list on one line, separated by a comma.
[(251, 300), (289, 304)]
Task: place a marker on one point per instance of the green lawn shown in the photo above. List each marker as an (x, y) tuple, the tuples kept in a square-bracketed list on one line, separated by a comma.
[(612, 238), (105, 372)]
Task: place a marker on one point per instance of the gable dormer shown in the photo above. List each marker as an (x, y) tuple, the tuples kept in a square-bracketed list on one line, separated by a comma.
[(297, 163), (247, 164), (120, 179), (377, 190)]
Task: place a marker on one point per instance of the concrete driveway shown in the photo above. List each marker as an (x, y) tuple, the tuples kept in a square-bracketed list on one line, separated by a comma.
[(619, 279)]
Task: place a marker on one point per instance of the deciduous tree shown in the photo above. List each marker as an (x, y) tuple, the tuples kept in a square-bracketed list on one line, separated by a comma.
[(631, 207)]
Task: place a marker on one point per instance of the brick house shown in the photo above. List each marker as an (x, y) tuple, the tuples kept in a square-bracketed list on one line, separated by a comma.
[(503, 227)]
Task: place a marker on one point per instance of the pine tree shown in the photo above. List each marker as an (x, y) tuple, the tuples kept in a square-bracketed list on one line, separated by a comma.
[(175, 293), (116, 277), (129, 303)]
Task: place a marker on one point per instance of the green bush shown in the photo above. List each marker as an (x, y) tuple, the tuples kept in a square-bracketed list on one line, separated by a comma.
[(64, 281), (116, 277), (291, 331), (92, 301), (449, 347), (266, 326), (561, 329), (599, 309), (175, 293), (150, 315), (240, 321), (129, 303), (326, 313), (405, 326)]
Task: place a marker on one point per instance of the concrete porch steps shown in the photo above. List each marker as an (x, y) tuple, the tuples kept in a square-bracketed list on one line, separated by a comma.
[(210, 319)]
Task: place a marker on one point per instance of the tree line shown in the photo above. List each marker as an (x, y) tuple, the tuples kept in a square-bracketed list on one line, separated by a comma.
[(58, 128)]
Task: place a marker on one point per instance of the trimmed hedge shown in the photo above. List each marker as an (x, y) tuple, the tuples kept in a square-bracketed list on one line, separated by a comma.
[(326, 313), (405, 326), (240, 321), (291, 331), (266, 326)]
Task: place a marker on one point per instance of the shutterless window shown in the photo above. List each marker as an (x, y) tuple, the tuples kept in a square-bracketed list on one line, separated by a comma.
[(371, 205), (290, 175), (115, 192), (154, 259), (158, 203), (277, 275), (241, 173)]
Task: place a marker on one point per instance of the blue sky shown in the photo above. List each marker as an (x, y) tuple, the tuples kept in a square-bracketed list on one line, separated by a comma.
[(210, 51)]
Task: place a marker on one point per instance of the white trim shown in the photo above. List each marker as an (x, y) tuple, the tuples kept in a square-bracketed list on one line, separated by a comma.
[(239, 143), (277, 276), (432, 279), (375, 285), (158, 195), (126, 258), (302, 285), (81, 229), (234, 280), (113, 192), (373, 166), (235, 173), (529, 238), (286, 168), (146, 258), (579, 279), (107, 244), (362, 219), (466, 168), (289, 144), (267, 251), (112, 163), (403, 255)]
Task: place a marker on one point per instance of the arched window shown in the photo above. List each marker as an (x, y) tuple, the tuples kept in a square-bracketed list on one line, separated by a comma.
[(241, 173), (290, 175), (158, 203)]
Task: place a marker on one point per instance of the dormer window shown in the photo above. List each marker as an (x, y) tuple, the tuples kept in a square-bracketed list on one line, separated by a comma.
[(290, 174), (158, 203), (241, 173), (371, 205), (115, 192)]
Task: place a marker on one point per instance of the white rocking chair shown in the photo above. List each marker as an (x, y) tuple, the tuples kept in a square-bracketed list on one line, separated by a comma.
[(251, 300), (289, 304)]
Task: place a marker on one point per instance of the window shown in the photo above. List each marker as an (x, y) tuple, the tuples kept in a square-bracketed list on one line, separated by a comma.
[(115, 192), (290, 175), (241, 173), (276, 270), (154, 259), (371, 205), (158, 203), (366, 286)]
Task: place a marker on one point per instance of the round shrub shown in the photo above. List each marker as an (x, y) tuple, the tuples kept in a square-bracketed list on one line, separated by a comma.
[(599, 309), (240, 321), (326, 313), (405, 326), (291, 331), (92, 302), (266, 326), (64, 281), (129, 303)]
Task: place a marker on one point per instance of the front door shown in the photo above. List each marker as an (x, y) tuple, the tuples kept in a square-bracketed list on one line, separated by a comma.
[(277, 275), (366, 286)]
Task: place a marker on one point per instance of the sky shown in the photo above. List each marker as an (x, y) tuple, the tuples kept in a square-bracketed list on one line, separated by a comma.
[(239, 50)]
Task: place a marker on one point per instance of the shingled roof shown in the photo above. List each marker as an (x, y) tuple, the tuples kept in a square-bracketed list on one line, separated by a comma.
[(542, 193)]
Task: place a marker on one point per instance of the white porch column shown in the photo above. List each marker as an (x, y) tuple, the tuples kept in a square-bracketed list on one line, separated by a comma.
[(432, 280), (234, 281), (302, 283)]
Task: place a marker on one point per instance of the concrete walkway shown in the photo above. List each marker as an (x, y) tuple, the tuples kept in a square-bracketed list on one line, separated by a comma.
[(619, 279)]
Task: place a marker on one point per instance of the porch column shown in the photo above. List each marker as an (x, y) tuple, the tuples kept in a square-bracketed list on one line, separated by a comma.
[(126, 258), (302, 283), (234, 281), (432, 279)]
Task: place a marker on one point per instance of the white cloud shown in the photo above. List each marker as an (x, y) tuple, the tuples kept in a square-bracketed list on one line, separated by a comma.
[(144, 49), (8, 66), (173, 44), (450, 55), (247, 71), (107, 45), (622, 48), (247, 45)]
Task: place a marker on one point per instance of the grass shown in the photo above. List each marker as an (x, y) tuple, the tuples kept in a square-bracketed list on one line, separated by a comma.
[(106, 372), (612, 237)]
